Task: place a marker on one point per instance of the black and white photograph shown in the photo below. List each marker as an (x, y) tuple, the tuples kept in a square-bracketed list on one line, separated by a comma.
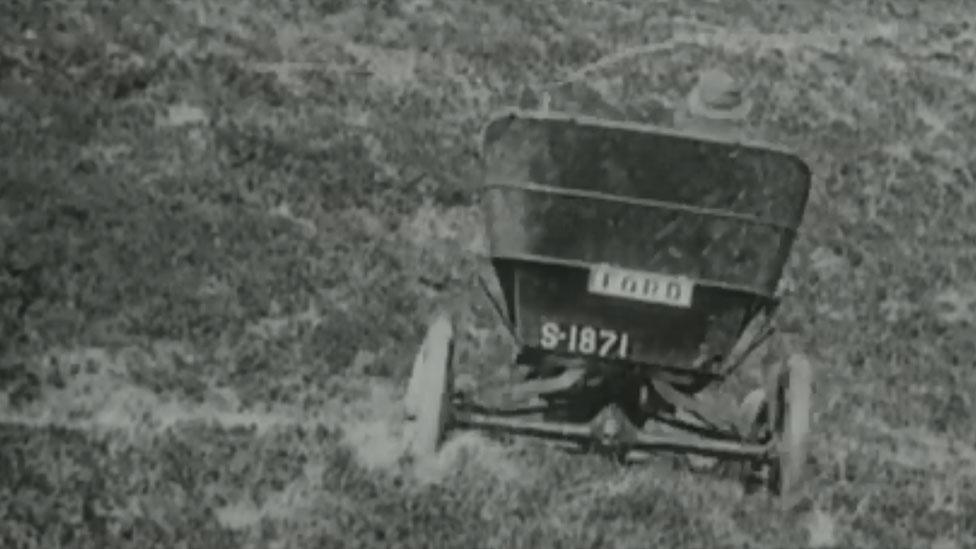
[(487, 274)]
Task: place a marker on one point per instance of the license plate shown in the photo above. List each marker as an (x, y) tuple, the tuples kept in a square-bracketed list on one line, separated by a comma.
[(585, 340), (657, 288)]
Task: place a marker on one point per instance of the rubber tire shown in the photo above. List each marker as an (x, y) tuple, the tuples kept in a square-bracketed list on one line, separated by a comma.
[(428, 398), (794, 395)]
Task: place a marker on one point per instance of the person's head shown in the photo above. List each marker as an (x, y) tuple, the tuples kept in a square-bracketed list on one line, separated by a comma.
[(718, 96)]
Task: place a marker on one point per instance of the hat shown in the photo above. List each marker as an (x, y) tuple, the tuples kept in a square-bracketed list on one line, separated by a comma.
[(717, 95)]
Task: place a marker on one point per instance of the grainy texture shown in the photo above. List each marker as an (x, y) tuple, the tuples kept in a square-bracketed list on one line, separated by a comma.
[(240, 214)]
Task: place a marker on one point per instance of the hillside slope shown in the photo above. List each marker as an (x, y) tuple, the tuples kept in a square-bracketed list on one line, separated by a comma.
[(224, 224)]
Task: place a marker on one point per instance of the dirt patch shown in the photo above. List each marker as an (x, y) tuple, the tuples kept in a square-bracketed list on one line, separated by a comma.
[(375, 427), (96, 392), (101, 396), (470, 449), (377, 430)]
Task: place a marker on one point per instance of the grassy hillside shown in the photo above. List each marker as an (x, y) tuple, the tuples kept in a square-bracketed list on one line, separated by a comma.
[(223, 225)]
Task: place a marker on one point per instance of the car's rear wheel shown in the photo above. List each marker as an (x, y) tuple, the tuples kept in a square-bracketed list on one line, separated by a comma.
[(794, 392), (428, 398)]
